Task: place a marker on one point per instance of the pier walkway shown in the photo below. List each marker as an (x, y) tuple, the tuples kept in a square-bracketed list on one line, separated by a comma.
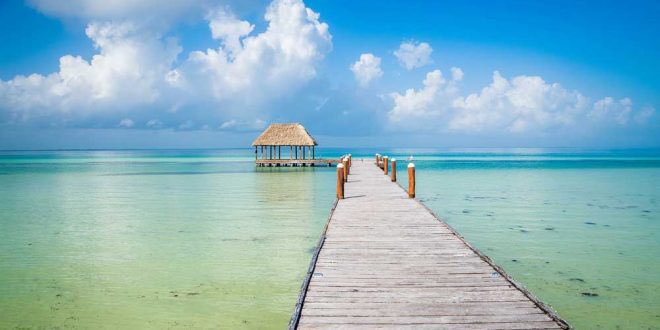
[(386, 261)]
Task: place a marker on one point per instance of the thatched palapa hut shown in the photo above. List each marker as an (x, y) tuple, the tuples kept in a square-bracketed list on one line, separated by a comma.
[(299, 145)]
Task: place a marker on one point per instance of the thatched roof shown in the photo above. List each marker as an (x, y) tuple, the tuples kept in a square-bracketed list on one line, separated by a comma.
[(292, 134)]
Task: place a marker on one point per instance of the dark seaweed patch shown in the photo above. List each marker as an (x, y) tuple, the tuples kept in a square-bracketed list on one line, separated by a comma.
[(576, 279), (549, 228), (589, 223), (589, 294)]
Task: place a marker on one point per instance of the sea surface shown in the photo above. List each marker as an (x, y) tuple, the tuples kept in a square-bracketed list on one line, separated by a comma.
[(203, 239)]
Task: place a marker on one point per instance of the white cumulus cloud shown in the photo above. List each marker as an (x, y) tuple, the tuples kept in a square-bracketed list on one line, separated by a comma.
[(419, 108), (413, 55), (520, 104), (366, 69), (137, 69), (128, 71), (280, 58)]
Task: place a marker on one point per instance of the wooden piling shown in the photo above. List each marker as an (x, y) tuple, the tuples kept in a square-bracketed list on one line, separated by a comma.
[(393, 169), (386, 164), (345, 168), (411, 180), (340, 181)]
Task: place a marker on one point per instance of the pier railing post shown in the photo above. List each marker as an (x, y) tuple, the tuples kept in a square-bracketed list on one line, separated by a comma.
[(386, 164), (340, 181), (411, 180), (393, 169), (344, 163)]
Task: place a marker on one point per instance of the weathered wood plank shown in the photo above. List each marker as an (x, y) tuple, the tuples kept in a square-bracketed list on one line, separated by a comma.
[(386, 261)]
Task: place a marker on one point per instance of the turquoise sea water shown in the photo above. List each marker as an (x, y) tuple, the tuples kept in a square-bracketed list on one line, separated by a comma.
[(203, 239)]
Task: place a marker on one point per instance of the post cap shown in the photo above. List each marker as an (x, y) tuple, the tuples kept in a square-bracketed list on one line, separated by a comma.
[(411, 165), (340, 165), (386, 157), (394, 159)]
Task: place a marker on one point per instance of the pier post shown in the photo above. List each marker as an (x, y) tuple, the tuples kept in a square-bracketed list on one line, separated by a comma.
[(386, 165), (344, 163), (393, 169), (411, 180), (340, 181)]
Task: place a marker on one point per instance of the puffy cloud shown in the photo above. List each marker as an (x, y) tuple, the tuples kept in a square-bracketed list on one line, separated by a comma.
[(413, 55), (366, 69), (128, 71), (137, 69), (278, 59), (126, 122), (227, 28), (456, 74), (521, 104), (154, 123), (417, 108), (609, 109)]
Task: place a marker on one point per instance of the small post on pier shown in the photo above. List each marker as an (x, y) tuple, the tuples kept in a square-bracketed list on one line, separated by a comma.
[(386, 164), (411, 180), (340, 181), (344, 163), (393, 169)]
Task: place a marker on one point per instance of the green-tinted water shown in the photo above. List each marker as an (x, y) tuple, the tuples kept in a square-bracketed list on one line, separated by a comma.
[(108, 240), (154, 239)]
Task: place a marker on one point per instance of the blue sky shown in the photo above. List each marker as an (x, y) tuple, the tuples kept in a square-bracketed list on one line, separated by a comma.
[(207, 74)]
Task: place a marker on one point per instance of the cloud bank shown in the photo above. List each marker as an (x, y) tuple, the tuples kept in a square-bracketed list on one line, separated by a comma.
[(522, 104), (140, 77), (139, 69)]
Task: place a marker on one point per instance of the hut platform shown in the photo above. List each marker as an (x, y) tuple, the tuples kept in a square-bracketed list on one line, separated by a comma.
[(296, 162), (386, 261)]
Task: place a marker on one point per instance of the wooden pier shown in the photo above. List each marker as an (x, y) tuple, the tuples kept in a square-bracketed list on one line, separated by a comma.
[(386, 261)]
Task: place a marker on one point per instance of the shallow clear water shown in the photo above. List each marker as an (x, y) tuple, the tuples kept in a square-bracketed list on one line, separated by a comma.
[(153, 239), (140, 240)]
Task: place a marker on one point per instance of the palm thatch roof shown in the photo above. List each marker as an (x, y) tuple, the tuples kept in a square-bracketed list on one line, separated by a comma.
[(290, 134)]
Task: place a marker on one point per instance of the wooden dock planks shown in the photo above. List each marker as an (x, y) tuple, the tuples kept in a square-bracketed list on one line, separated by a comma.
[(386, 261)]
